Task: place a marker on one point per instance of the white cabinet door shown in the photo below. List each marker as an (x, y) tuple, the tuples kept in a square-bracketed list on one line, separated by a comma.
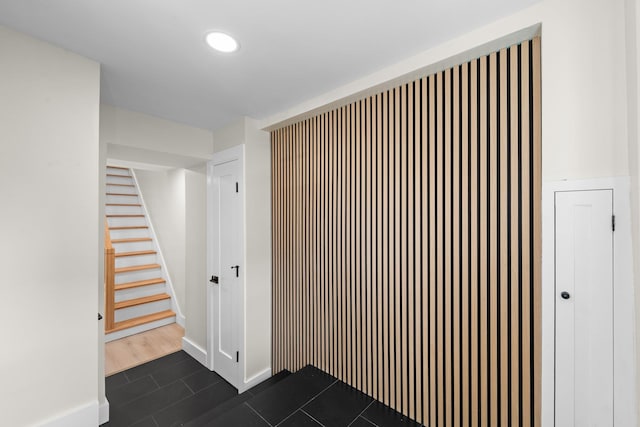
[(584, 308)]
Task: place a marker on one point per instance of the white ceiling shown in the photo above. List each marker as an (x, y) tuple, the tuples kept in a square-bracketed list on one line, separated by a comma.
[(154, 59)]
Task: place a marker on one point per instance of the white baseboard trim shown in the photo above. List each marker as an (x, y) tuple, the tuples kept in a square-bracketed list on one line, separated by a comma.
[(81, 416), (255, 380), (103, 412), (195, 351), (180, 320)]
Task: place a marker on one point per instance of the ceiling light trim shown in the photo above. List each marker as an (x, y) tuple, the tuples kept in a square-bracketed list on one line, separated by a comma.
[(221, 41)]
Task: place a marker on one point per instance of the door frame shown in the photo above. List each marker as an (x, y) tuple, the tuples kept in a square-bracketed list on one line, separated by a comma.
[(624, 360), (225, 156)]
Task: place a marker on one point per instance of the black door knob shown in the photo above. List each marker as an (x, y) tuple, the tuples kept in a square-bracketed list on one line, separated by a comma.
[(565, 295)]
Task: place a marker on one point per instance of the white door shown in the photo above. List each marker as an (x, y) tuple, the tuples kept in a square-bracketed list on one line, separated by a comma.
[(584, 308), (226, 269)]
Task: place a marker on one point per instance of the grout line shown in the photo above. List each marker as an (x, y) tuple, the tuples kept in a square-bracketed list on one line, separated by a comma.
[(154, 380), (311, 416), (362, 412), (154, 421), (367, 419), (309, 401), (257, 413), (187, 385)]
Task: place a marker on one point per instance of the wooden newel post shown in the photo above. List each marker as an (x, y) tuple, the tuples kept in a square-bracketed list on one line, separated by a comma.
[(109, 280)]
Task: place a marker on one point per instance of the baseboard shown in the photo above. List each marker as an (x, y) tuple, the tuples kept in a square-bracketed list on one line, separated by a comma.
[(255, 380), (180, 320), (103, 412), (81, 416), (195, 351)]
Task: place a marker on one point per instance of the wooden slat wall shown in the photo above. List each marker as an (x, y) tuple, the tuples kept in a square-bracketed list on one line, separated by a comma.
[(406, 243)]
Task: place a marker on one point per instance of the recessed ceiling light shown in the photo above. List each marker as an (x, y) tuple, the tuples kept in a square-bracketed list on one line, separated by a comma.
[(222, 42)]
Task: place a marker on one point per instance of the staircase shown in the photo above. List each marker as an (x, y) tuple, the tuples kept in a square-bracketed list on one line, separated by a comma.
[(137, 297)]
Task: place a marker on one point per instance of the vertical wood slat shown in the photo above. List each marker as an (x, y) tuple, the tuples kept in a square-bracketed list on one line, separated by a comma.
[(465, 259), (514, 284), (494, 233), (473, 253), (456, 195), (536, 126), (432, 254), (406, 243), (503, 241)]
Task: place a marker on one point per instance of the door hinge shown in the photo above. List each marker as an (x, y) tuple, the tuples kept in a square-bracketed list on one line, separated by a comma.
[(236, 187), (613, 222), (237, 356)]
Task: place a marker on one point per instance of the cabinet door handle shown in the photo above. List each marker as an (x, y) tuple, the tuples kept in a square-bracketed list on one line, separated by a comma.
[(237, 267)]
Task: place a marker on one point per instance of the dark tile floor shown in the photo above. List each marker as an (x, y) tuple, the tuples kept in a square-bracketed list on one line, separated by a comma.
[(177, 391)]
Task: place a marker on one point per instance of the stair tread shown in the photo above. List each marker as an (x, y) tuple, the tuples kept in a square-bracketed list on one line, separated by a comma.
[(120, 176), (139, 283), (136, 268), (120, 185), (128, 227), (135, 253), (122, 194), (125, 216), (140, 301), (131, 240), (117, 167), (136, 321), (123, 204)]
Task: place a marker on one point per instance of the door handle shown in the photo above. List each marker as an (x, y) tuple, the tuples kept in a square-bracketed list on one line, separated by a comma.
[(565, 295), (237, 267), (214, 279)]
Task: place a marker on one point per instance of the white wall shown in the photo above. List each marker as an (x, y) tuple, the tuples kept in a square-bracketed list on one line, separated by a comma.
[(50, 226), (138, 131), (632, 14), (584, 109), (196, 255), (258, 249), (257, 240), (164, 197), (102, 178), (176, 202)]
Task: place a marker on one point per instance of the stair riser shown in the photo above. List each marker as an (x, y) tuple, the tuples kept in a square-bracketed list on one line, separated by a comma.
[(119, 180), (121, 189), (135, 246), (142, 310), (122, 199), (118, 171), (138, 329), (128, 261), (139, 292), (135, 276), (129, 234), (123, 210), (125, 222)]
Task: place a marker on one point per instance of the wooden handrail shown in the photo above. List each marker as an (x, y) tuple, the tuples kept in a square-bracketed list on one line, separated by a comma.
[(109, 279)]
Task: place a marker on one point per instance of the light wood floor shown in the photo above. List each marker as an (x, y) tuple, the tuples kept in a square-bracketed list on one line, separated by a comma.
[(137, 349)]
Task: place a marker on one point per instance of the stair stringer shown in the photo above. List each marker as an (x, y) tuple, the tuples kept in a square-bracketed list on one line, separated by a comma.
[(180, 319)]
